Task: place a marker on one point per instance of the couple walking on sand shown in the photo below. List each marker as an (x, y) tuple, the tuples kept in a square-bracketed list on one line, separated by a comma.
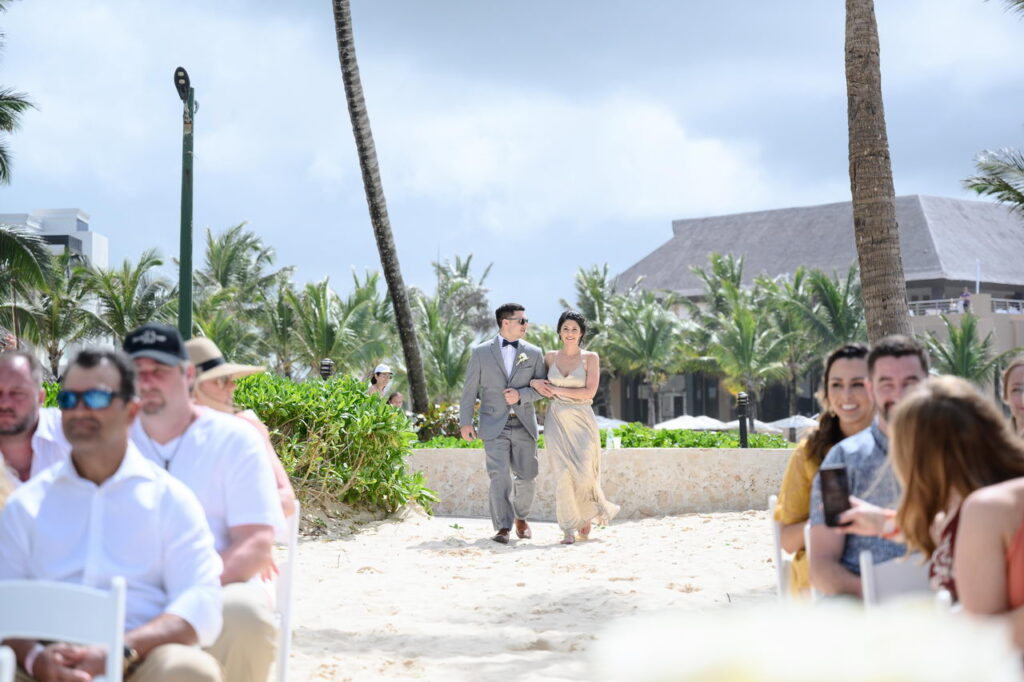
[(509, 375)]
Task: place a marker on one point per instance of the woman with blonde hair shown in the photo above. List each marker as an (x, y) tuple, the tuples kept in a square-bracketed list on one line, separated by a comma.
[(846, 409), (960, 466), (1013, 392)]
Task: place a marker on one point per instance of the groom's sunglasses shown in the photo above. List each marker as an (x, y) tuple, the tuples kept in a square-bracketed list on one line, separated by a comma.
[(94, 399), (521, 320)]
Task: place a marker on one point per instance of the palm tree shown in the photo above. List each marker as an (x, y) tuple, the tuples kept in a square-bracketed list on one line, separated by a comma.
[(1000, 175), (25, 262), (830, 309), (874, 199), (798, 348), (643, 340), (964, 353), (748, 351), (52, 316), (132, 295), (378, 206), (278, 325), (12, 106), (463, 297), (447, 348)]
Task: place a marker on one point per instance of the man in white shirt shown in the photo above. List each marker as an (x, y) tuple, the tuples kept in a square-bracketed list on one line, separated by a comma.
[(108, 512), (30, 435), (223, 461)]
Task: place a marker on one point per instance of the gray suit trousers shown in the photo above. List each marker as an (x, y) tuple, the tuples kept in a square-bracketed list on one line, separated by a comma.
[(512, 467)]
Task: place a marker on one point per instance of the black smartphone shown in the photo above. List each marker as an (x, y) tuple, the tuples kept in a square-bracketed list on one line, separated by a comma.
[(835, 494)]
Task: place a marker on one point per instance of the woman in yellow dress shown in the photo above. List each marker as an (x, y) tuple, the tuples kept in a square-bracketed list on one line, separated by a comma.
[(846, 409)]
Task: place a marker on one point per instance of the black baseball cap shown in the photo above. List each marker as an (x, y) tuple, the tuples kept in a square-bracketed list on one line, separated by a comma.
[(160, 342)]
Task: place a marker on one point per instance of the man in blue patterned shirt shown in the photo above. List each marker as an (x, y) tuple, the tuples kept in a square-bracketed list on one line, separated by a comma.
[(895, 365)]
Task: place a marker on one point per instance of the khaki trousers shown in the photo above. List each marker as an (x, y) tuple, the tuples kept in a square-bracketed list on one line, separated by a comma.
[(248, 641), (169, 663)]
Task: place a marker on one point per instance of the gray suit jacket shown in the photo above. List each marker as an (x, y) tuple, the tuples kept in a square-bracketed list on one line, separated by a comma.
[(485, 376)]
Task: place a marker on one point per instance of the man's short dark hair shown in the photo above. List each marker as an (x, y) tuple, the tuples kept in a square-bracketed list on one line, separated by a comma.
[(506, 312), (896, 346), (92, 357), (35, 369)]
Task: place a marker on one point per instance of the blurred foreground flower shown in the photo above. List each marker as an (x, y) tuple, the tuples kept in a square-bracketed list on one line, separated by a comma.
[(905, 642)]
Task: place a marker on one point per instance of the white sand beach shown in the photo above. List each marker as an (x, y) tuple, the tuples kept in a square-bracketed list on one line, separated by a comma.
[(435, 599)]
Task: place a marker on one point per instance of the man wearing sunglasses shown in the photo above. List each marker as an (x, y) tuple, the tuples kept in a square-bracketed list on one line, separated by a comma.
[(30, 435), (108, 512), (499, 372)]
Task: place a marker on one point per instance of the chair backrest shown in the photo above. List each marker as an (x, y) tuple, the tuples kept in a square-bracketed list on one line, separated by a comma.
[(881, 582), (782, 561), (7, 664), (815, 595), (285, 581), (64, 612)]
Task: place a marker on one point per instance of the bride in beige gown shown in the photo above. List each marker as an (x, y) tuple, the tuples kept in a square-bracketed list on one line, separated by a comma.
[(571, 434)]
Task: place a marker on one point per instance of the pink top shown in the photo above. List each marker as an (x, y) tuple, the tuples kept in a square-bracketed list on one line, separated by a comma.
[(1015, 569)]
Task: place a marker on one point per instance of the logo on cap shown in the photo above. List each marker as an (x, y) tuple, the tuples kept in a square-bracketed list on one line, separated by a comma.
[(149, 337)]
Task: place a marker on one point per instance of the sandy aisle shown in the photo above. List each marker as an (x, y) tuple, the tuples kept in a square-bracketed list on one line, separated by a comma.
[(434, 599)]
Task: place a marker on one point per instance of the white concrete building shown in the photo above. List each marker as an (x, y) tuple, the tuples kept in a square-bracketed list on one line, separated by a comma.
[(64, 229)]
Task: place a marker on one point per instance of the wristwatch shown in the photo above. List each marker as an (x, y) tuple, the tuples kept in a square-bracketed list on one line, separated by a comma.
[(131, 657)]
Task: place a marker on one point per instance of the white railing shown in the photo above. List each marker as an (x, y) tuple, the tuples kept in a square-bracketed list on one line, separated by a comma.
[(1007, 306), (947, 306)]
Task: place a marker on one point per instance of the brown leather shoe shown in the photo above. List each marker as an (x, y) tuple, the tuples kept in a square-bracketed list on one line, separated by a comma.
[(523, 529), (502, 536)]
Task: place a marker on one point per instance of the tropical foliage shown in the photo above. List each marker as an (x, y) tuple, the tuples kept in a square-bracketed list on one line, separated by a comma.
[(964, 353)]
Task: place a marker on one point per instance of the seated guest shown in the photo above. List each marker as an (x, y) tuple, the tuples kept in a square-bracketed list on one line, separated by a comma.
[(846, 409), (396, 400), (948, 443), (895, 364), (1013, 393), (107, 512), (382, 376), (30, 435), (215, 388), (224, 462)]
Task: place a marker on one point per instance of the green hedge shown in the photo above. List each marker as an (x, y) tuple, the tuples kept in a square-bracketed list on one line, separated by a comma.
[(336, 441), (636, 435)]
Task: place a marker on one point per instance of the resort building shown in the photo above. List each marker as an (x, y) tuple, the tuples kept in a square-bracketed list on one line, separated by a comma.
[(946, 245), (64, 229)]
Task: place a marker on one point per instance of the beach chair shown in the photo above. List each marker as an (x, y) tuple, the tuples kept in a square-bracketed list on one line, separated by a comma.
[(285, 582), (881, 582), (63, 612), (782, 560), (7, 664)]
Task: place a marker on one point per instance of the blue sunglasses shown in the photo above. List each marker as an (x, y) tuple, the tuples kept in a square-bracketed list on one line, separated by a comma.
[(94, 399)]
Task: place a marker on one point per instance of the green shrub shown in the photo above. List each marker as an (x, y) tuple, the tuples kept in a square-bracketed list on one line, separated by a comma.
[(440, 421), (336, 441), (637, 435)]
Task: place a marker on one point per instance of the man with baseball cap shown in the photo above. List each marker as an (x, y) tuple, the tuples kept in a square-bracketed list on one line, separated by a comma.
[(223, 461)]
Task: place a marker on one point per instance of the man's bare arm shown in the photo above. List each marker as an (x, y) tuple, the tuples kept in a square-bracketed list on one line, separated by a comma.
[(251, 549), (828, 575)]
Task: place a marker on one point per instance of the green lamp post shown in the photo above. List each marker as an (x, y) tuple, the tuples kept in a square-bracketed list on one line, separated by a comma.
[(188, 97)]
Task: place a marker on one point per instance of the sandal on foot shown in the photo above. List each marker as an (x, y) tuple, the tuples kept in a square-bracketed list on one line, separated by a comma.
[(568, 539), (585, 531)]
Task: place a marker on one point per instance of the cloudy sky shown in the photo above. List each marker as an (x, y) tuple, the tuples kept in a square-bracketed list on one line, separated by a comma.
[(537, 136)]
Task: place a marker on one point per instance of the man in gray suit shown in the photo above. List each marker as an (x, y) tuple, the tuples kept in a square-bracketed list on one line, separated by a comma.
[(500, 372)]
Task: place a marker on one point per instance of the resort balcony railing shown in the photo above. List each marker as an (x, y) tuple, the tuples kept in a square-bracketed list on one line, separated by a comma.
[(948, 306)]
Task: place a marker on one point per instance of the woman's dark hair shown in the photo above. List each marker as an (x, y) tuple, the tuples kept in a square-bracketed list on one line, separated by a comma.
[(828, 432), (575, 317)]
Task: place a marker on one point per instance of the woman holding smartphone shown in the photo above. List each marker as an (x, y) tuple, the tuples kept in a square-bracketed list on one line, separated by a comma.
[(846, 409), (962, 472)]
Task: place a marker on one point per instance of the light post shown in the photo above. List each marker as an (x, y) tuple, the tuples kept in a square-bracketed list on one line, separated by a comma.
[(742, 404), (188, 97), (326, 368)]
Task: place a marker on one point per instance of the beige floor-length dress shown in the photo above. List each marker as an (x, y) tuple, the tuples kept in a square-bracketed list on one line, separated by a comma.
[(572, 441)]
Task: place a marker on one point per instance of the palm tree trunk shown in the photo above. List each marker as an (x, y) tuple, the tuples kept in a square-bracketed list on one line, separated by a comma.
[(884, 288), (378, 207)]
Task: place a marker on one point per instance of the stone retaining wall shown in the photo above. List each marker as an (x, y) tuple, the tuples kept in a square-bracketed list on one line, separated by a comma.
[(644, 482)]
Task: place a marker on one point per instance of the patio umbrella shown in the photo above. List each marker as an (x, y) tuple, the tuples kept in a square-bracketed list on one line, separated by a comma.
[(759, 426), (691, 423), (797, 421)]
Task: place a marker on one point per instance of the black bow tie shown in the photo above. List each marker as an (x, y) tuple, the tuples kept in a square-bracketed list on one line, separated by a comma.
[(506, 342)]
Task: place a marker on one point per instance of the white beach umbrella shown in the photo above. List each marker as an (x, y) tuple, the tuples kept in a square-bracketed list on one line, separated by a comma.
[(608, 422), (759, 426), (691, 423), (797, 421)]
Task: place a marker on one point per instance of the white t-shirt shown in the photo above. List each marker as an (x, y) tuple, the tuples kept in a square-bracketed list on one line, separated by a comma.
[(223, 461), (140, 524), (49, 446)]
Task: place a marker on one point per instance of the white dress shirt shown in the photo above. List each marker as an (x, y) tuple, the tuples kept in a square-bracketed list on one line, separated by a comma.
[(140, 524), (49, 446), (223, 460), (508, 354)]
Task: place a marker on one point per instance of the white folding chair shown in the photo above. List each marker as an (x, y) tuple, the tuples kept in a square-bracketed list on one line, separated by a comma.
[(782, 560), (41, 609), (285, 581), (881, 582), (7, 664), (815, 595)]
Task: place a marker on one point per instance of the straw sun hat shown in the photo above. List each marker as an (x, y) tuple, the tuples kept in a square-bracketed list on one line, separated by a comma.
[(210, 362)]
